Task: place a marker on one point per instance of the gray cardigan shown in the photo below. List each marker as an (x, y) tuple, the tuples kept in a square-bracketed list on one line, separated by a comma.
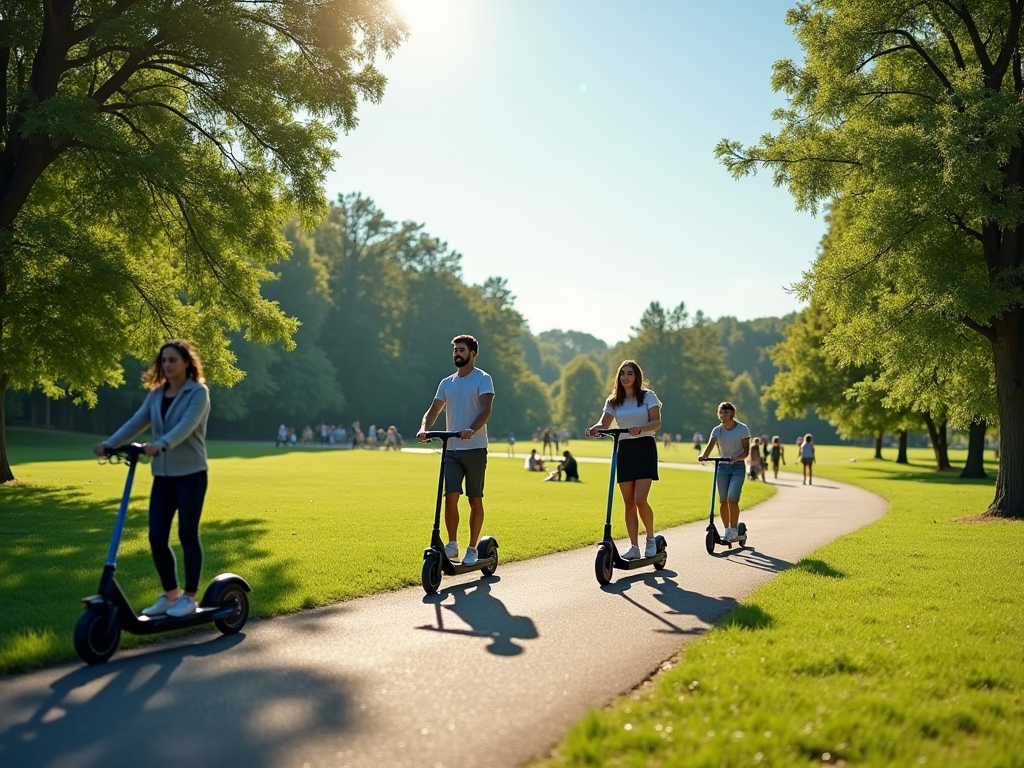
[(182, 434)]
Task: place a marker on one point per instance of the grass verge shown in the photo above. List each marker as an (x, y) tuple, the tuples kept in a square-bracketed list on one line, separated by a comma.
[(900, 647), (304, 527)]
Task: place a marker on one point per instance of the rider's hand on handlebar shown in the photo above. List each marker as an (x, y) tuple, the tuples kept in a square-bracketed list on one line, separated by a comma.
[(422, 435), (100, 449), (634, 431), (152, 449)]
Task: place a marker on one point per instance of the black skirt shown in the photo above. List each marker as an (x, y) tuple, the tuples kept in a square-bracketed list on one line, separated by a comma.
[(638, 459)]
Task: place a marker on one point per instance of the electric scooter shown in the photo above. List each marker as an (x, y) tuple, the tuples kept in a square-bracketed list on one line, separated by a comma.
[(713, 537), (608, 557), (108, 613), (435, 559)]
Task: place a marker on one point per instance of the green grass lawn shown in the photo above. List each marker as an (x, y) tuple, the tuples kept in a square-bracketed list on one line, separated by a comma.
[(897, 645), (305, 527)]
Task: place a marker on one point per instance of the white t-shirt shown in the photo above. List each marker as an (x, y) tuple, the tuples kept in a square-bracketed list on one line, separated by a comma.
[(629, 414), (730, 441), (807, 450), (461, 398)]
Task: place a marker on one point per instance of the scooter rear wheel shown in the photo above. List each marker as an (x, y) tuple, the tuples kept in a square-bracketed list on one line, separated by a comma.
[(236, 597), (95, 638), (603, 565), (431, 574), (662, 544)]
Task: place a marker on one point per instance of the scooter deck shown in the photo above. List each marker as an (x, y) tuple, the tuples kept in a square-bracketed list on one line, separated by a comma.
[(621, 564), (458, 568)]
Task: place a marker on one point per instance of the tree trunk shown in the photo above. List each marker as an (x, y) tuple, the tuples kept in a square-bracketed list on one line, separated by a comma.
[(6, 475), (937, 433), (901, 456), (974, 469), (878, 445), (1008, 355)]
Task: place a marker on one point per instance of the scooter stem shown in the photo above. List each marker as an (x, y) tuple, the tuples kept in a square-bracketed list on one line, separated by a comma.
[(440, 486), (611, 487), (714, 487), (122, 514)]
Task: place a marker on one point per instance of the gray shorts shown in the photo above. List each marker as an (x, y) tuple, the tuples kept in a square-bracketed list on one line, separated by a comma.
[(470, 464)]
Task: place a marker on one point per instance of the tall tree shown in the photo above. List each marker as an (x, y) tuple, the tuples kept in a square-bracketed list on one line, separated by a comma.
[(914, 114), (150, 152), (581, 394)]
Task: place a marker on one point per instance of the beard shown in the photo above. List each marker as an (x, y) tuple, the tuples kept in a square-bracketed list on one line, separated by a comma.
[(460, 362)]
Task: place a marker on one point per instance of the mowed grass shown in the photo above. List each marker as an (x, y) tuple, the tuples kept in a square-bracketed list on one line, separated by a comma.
[(896, 645), (305, 527)]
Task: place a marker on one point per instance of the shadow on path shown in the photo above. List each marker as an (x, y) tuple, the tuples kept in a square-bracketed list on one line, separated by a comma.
[(677, 600), (130, 712), (485, 614)]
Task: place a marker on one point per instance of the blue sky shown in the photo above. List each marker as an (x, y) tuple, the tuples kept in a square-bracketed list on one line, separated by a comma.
[(567, 146)]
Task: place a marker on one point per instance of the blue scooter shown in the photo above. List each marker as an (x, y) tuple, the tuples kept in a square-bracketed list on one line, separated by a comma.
[(108, 612)]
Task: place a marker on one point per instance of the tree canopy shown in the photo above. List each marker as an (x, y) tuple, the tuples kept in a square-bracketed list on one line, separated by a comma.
[(150, 153), (909, 117)]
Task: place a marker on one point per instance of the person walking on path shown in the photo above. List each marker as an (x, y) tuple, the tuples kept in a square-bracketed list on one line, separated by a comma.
[(176, 411), (733, 440), (466, 397), (777, 453), (637, 409), (807, 458)]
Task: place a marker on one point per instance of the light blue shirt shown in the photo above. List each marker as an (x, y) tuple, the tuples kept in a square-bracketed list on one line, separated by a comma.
[(730, 441), (461, 398)]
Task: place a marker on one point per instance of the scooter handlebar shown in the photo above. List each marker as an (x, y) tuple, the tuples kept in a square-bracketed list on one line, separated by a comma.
[(129, 452), (718, 459), (613, 431), (441, 435)]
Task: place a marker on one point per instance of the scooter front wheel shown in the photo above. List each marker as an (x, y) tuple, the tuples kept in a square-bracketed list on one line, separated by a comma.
[(603, 565), (709, 541), (431, 575), (234, 597), (96, 636)]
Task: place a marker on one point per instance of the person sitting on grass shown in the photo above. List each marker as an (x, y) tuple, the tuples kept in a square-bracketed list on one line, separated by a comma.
[(534, 463), (566, 465)]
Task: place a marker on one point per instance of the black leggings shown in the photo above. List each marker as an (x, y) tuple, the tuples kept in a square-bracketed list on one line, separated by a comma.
[(183, 495)]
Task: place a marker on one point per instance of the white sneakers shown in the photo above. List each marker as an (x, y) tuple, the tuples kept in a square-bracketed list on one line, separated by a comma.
[(159, 608), (731, 534), (470, 557), (632, 553), (183, 606), (452, 550), (652, 547)]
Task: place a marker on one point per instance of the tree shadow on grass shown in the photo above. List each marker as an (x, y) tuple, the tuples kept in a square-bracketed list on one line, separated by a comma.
[(928, 474), (819, 568), (54, 542), (485, 614), (157, 710), (677, 600)]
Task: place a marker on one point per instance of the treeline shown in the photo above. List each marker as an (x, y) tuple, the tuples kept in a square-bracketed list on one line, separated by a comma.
[(379, 302)]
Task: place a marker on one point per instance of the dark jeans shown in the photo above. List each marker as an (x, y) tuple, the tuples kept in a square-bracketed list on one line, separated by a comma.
[(183, 495)]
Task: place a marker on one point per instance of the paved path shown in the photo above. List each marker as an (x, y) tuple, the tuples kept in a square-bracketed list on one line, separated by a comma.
[(489, 671)]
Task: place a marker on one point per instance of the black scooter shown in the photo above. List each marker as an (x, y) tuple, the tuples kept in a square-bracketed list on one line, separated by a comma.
[(435, 559), (107, 613), (608, 557), (713, 537)]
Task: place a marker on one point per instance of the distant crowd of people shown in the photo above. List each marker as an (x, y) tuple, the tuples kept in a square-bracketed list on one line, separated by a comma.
[(335, 434)]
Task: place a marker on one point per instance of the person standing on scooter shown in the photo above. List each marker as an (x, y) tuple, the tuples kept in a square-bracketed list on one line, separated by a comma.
[(733, 440), (175, 410), (639, 410), (466, 397)]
